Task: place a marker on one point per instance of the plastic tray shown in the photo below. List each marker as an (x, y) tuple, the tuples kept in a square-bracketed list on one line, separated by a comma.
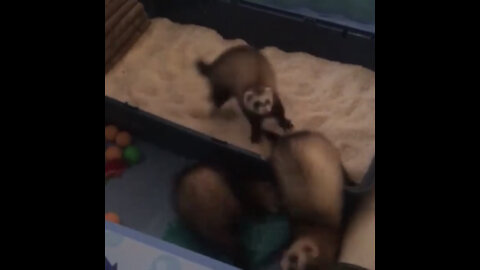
[(142, 196)]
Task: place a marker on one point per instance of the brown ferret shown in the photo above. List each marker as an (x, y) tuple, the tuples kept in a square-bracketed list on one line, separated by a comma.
[(310, 178), (243, 73), (207, 203)]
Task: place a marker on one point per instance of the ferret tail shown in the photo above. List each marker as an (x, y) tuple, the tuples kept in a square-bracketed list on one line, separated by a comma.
[(203, 68)]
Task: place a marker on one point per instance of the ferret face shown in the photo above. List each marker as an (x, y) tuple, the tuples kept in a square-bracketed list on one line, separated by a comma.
[(300, 254), (259, 101)]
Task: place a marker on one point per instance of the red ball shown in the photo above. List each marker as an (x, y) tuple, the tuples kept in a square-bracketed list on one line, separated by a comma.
[(114, 168), (112, 217)]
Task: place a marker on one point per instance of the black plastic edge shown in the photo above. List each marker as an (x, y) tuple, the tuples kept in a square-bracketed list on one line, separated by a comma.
[(184, 129), (319, 22), (365, 186)]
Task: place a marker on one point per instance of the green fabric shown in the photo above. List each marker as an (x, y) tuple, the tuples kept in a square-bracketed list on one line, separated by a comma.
[(261, 239)]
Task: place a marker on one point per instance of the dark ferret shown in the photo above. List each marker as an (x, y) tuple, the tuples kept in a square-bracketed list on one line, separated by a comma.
[(209, 205), (243, 73), (206, 203), (310, 178)]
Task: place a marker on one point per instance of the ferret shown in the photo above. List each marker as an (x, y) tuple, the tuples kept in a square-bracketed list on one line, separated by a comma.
[(243, 73), (310, 178), (207, 202)]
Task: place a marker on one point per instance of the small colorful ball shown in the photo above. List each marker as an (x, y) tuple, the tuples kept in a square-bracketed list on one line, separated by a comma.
[(131, 154), (113, 152), (123, 139), (112, 217), (111, 132), (114, 168), (108, 144)]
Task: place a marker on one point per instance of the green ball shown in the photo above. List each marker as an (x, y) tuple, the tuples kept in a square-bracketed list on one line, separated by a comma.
[(131, 154)]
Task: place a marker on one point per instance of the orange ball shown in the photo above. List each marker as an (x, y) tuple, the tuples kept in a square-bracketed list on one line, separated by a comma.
[(113, 152), (123, 139), (112, 217), (111, 132)]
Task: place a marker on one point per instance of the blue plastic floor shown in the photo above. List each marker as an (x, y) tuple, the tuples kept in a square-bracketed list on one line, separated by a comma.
[(142, 196)]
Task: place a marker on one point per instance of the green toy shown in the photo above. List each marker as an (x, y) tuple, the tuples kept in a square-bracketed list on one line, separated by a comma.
[(261, 238), (131, 154)]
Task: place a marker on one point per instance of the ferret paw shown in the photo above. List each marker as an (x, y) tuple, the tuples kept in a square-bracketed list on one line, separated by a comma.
[(298, 255)]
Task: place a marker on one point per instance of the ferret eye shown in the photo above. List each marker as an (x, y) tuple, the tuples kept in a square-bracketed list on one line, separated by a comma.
[(257, 105)]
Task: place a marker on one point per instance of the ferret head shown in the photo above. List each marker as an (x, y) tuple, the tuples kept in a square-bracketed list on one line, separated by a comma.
[(259, 100), (299, 255), (314, 247), (305, 254)]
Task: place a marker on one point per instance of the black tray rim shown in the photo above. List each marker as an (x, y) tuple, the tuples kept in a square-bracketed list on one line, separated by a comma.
[(363, 187)]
